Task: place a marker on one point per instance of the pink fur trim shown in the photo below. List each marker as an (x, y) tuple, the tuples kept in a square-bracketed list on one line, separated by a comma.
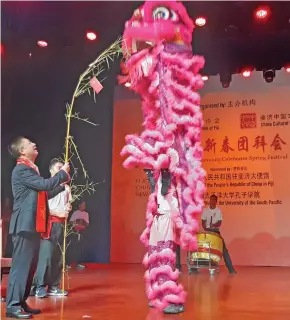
[(146, 262), (170, 140), (166, 254)]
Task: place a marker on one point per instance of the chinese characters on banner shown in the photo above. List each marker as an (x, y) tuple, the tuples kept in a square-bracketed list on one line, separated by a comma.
[(246, 141), (229, 104), (243, 145)]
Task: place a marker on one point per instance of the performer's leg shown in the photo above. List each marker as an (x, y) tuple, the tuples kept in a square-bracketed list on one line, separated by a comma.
[(72, 248), (55, 267), (79, 253), (68, 259), (24, 257), (150, 178), (33, 288), (178, 262), (56, 272), (165, 182), (42, 271), (31, 275), (162, 272), (227, 259)]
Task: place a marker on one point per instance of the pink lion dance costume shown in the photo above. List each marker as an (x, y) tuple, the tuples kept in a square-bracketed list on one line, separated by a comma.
[(161, 68)]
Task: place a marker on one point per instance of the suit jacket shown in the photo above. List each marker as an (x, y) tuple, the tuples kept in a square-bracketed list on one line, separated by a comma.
[(25, 186)]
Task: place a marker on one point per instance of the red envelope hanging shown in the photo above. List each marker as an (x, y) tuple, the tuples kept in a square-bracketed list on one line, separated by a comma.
[(96, 84)]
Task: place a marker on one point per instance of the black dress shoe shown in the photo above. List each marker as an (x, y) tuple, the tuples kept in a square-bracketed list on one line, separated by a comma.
[(174, 309), (27, 309), (18, 314)]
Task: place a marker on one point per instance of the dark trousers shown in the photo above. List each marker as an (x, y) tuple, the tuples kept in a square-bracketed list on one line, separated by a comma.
[(9, 247), (74, 252), (226, 255), (24, 260), (49, 266), (178, 263)]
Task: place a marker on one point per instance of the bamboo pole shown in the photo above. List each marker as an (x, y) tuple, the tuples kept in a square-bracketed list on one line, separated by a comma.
[(83, 86)]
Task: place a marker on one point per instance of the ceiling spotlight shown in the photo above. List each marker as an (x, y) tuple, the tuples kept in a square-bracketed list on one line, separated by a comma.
[(269, 75), (287, 68), (246, 73), (204, 78), (200, 21), (42, 43), (2, 50), (91, 35), (262, 13), (226, 79), (127, 84)]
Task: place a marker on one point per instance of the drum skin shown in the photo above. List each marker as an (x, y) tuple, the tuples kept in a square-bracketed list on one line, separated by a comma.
[(208, 242)]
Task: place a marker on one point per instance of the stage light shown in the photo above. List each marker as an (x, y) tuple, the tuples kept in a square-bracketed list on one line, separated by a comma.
[(287, 68), (246, 73), (42, 43), (200, 21), (91, 35), (2, 49), (204, 78), (127, 84), (262, 13), (225, 79), (269, 75)]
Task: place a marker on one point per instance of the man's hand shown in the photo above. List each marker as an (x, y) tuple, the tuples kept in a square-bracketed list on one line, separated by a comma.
[(66, 167), (68, 207)]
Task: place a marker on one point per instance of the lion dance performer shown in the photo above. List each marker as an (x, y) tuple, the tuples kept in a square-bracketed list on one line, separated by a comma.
[(161, 68)]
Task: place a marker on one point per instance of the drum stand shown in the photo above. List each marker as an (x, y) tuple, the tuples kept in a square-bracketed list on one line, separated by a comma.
[(194, 264)]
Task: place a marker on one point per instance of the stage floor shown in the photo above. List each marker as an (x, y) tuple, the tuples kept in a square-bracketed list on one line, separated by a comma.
[(107, 292)]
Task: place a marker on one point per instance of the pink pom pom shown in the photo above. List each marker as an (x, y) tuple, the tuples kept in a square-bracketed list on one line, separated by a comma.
[(130, 163), (172, 123), (146, 260), (162, 162)]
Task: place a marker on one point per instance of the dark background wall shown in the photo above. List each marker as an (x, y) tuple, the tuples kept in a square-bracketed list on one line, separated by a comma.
[(37, 108), (35, 91)]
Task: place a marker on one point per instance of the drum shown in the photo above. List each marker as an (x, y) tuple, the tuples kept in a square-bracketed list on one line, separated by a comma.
[(210, 246), (79, 225)]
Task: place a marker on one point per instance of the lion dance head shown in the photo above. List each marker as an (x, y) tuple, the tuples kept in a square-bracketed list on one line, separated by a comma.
[(157, 21)]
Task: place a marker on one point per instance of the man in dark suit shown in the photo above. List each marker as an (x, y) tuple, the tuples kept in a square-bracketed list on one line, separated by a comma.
[(28, 221)]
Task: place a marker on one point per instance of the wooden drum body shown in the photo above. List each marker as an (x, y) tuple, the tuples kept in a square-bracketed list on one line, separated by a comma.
[(210, 247)]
